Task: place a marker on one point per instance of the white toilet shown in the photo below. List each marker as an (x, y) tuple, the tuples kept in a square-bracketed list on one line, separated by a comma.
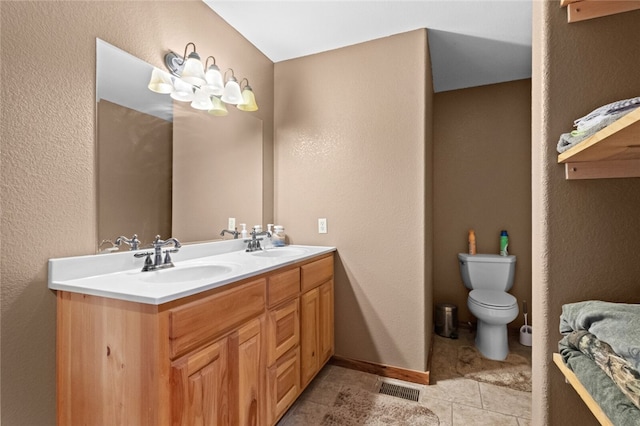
[(489, 277)]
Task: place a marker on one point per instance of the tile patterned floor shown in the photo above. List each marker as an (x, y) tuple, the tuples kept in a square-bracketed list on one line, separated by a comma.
[(457, 401)]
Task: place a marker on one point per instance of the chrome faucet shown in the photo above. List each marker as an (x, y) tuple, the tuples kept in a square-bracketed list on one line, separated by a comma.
[(158, 262), (254, 242), (134, 242), (235, 233)]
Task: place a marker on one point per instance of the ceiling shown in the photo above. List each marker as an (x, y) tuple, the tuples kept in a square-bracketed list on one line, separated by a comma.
[(472, 43)]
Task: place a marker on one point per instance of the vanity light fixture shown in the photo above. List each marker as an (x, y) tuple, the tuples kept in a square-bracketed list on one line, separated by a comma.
[(203, 86), (231, 94), (214, 84), (189, 69), (248, 98)]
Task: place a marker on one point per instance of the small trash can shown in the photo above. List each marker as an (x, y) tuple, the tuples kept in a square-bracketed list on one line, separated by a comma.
[(446, 323)]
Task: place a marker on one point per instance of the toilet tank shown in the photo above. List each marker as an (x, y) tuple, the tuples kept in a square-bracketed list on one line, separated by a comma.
[(487, 271)]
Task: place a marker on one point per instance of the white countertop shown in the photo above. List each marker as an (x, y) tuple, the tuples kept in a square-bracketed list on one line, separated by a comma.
[(118, 275)]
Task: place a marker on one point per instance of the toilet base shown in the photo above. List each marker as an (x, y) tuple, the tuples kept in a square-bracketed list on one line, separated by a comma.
[(492, 340)]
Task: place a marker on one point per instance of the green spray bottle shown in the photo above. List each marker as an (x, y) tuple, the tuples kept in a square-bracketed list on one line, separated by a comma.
[(504, 243)]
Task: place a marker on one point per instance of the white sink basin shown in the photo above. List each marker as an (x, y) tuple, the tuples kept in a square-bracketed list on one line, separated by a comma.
[(183, 274), (281, 252)]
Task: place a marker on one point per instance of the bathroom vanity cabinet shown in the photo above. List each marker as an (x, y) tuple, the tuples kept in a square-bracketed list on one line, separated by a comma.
[(232, 355), (316, 316)]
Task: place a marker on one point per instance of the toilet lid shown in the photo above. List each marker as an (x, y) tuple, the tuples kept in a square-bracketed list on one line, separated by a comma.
[(493, 299)]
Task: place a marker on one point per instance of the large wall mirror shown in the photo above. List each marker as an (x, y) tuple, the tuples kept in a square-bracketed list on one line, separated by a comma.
[(165, 168)]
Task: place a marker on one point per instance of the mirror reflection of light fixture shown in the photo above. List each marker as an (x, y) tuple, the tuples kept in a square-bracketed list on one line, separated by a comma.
[(231, 94), (189, 69), (214, 84), (218, 108), (182, 91), (248, 98), (205, 90), (160, 82), (201, 101)]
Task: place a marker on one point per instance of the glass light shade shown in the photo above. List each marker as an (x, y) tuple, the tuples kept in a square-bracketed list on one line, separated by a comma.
[(231, 94), (160, 82), (218, 108), (214, 85), (182, 91), (248, 100), (201, 101), (193, 71)]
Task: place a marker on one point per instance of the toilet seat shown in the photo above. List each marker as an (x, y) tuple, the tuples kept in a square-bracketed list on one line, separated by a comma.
[(493, 299)]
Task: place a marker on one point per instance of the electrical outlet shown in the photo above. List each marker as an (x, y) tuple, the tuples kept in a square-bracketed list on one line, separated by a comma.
[(322, 225), (232, 224)]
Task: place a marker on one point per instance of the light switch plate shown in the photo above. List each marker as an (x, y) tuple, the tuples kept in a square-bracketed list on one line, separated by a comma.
[(322, 225), (232, 224)]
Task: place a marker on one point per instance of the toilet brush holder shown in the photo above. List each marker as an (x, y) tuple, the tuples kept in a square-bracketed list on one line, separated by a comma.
[(526, 331), (525, 335)]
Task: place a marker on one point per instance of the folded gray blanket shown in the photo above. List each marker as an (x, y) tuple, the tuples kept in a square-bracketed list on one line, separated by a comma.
[(618, 324), (613, 402)]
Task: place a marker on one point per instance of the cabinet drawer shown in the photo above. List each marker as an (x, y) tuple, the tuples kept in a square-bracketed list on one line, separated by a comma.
[(283, 286), (315, 273), (283, 331), (283, 385), (202, 320)]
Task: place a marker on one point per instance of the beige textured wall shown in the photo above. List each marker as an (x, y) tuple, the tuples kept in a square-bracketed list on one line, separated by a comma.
[(482, 180), (585, 233), (48, 164), (352, 137)]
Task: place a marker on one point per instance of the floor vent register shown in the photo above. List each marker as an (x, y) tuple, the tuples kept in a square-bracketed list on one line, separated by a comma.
[(398, 391)]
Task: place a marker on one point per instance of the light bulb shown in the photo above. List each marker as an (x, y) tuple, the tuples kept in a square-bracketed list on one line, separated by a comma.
[(248, 100), (214, 84), (193, 71), (231, 94)]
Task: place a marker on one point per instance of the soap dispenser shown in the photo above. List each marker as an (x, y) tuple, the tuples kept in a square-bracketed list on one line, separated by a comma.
[(244, 233)]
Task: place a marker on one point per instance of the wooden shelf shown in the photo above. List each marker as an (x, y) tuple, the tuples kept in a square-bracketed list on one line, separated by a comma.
[(612, 152), (581, 10), (573, 380)]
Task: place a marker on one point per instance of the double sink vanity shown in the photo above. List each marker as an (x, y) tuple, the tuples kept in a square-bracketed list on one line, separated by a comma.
[(226, 337)]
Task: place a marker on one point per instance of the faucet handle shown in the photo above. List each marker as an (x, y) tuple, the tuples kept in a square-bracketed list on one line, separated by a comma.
[(148, 263), (167, 256)]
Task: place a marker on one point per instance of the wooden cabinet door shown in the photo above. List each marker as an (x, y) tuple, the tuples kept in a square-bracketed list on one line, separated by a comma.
[(200, 387), (283, 330), (283, 385), (326, 335), (248, 374), (309, 319)]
